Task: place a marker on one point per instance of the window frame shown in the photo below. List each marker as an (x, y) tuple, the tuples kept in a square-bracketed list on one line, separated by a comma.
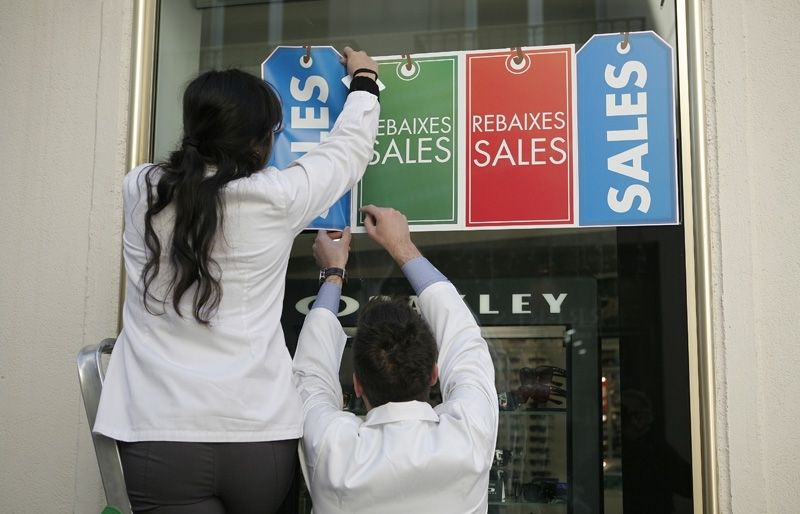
[(696, 220)]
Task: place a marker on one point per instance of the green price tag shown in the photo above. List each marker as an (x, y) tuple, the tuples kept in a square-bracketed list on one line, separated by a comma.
[(414, 165)]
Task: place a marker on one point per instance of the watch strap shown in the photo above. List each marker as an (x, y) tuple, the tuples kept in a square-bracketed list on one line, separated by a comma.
[(327, 272), (366, 70)]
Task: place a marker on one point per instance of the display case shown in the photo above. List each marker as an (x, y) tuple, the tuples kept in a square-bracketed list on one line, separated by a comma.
[(530, 465)]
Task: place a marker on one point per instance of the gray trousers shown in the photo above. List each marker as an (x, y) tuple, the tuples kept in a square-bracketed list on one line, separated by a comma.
[(208, 478)]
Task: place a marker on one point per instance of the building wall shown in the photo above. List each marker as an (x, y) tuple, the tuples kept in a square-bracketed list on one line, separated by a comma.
[(64, 104), (752, 75), (64, 101)]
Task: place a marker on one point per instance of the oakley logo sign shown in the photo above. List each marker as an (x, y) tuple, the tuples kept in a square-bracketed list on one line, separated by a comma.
[(520, 303)]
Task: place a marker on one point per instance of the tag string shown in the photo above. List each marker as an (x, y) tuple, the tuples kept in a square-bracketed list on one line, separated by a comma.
[(625, 36), (307, 57), (409, 64), (519, 57)]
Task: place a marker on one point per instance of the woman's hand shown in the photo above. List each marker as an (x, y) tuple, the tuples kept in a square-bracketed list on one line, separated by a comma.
[(331, 249), (356, 60)]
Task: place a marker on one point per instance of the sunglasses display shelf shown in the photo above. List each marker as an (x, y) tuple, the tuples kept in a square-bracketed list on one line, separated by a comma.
[(529, 473)]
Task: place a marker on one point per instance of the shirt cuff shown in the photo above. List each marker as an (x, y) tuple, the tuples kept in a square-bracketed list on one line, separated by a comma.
[(421, 274), (328, 297)]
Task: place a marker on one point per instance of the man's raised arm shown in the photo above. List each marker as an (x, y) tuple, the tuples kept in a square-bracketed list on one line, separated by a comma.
[(466, 371), (319, 349)]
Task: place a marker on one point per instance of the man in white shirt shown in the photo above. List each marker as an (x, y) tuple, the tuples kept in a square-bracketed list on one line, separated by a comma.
[(406, 456)]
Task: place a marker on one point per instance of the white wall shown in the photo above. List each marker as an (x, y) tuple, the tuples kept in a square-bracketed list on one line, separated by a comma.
[(752, 76), (64, 104)]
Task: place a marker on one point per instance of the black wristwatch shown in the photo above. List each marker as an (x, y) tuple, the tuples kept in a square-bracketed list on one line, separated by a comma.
[(327, 272)]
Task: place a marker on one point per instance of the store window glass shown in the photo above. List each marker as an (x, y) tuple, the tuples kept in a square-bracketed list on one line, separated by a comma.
[(598, 313)]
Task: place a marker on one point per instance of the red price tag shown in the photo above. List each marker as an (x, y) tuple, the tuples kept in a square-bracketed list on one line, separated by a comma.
[(520, 161)]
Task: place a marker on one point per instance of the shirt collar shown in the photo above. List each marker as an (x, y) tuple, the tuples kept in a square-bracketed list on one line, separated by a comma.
[(390, 412)]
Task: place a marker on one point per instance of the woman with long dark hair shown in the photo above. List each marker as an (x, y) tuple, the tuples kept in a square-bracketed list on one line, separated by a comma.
[(199, 389)]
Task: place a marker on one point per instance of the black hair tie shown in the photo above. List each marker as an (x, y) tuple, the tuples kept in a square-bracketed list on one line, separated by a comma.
[(191, 142), (362, 83), (366, 70)]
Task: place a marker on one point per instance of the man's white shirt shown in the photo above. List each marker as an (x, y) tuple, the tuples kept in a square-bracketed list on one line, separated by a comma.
[(405, 457)]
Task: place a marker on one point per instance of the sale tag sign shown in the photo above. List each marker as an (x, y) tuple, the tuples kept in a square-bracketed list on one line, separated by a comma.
[(414, 163), (312, 95), (626, 106), (519, 137)]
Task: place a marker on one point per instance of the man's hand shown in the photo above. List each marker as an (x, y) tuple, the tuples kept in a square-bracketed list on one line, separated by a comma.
[(389, 228), (331, 249), (357, 60)]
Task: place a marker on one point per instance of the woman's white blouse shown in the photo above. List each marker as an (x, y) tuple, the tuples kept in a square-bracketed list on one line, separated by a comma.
[(171, 378)]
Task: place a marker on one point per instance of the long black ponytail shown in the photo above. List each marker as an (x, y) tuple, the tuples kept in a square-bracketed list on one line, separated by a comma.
[(228, 121)]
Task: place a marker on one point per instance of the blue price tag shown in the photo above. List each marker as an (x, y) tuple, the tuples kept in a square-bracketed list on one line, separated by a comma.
[(626, 131), (312, 95)]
